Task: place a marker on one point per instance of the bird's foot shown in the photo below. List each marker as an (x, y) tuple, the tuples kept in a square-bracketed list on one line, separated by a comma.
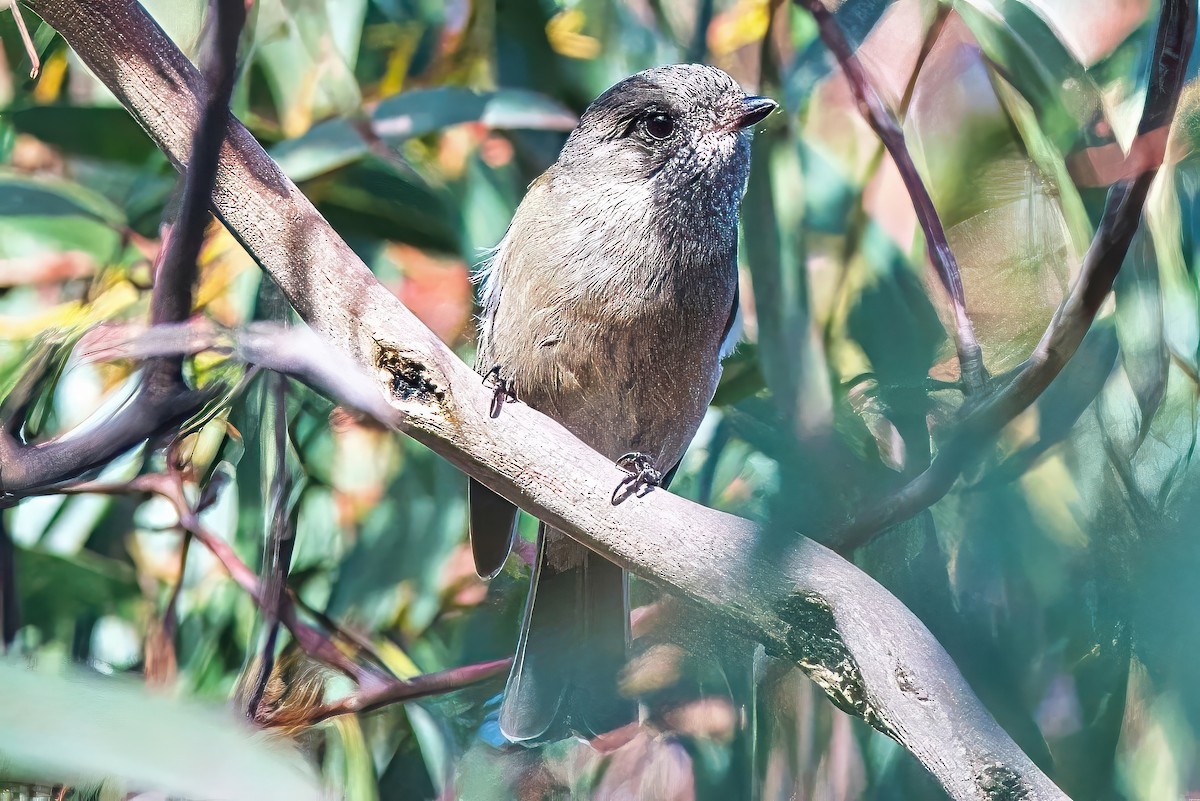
[(503, 390), (643, 476)]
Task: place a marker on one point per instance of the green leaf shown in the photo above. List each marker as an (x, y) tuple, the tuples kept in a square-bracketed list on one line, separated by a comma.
[(893, 320), (326, 147), (1023, 46), (741, 376), (80, 728), (40, 215), (54, 588), (101, 132), (372, 199), (306, 49), (1049, 160), (340, 142)]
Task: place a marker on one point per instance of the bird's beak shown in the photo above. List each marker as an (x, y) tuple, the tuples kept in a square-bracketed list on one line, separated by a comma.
[(755, 109)]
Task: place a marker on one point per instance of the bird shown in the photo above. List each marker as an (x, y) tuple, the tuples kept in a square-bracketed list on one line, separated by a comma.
[(608, 305)]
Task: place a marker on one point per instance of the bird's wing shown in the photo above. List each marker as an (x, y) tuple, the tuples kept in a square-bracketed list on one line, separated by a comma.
[(493, 519)]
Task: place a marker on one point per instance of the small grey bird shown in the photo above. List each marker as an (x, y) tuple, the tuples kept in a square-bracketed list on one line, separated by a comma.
[(608, 306)]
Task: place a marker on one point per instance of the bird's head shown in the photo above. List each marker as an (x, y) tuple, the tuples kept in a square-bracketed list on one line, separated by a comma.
[(682, 128)]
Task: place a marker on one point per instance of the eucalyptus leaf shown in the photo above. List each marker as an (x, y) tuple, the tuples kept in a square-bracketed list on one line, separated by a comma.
[(96, 585), (100, 132), (1020, 43), (1144, 354), (339, 142), (81, 728), (39, 216)]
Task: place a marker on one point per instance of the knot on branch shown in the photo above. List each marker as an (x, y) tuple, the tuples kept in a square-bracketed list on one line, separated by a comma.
[(812, 641), (1001, 783), (411, 380)]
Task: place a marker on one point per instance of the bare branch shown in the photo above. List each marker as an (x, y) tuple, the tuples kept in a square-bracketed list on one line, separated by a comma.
[(873, 109), (401, 691), (292, 350), (161, 664), (35, 63), (868, 652), (1122, 213), (26, 468)]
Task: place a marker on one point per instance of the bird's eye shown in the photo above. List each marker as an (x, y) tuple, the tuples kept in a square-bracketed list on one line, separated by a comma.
[(658, 126)]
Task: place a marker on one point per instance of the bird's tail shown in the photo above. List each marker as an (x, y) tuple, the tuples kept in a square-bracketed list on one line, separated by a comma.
[(572, 647)]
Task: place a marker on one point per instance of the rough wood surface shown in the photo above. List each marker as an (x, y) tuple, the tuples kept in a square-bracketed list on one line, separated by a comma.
[(807, 604)]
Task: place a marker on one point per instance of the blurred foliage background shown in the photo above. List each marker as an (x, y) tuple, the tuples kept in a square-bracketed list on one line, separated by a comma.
[(1060, 574)]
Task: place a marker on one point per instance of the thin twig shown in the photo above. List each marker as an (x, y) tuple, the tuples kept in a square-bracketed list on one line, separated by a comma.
[(1122, 212), (941, 14), (881, 120), (407, 690), (347, 635), (35, 63), (312, 641), (170, 618)]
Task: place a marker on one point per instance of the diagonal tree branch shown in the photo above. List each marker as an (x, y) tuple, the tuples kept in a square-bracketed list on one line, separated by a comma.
[(984, 419), (881, 120), (175, 280)]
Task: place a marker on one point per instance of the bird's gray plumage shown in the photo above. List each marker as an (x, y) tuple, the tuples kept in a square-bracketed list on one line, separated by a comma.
[(606, 306)]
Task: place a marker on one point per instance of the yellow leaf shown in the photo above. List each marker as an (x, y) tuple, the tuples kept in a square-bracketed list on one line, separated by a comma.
[(741, 25), (563, 32), (50, 84)]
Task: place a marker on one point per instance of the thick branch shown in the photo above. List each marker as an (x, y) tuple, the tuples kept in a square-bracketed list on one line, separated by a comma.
[(857, 641), (873, 109), (1101, 263), (31, 467)]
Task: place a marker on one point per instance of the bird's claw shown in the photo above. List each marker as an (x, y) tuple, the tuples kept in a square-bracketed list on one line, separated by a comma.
[(643, 476), (503, 390)]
